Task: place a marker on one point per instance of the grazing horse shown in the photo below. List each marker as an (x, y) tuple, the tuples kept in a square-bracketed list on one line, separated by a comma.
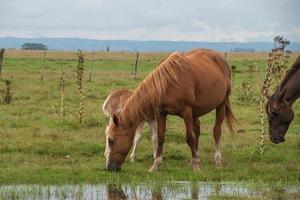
[(113, 104), (279, 105), (188, 85)]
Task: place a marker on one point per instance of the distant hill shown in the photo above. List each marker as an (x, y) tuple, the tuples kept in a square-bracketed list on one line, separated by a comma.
[(144, 46)]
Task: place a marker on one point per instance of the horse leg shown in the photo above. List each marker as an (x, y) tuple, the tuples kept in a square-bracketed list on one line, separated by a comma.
[(190, 137), (196, 124), (137, 138), (220, 115), (153, 127), (161, 128)]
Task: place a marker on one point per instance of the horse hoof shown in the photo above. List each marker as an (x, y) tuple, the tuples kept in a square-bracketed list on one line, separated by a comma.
[(195, 163), (218, 164), (196, 168), (154, 168), (218, 161)]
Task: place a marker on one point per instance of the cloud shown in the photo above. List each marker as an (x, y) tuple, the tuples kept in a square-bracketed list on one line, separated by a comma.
[(226, 20)]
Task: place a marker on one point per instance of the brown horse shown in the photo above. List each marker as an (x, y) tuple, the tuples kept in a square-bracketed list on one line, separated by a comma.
[(113, 104), (188, 85), (279, 106)]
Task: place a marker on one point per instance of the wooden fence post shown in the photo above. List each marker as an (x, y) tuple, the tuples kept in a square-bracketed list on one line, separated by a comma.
[(233, 68), (136, 64), (62, 91), (2, 51), (91, 67), (42, 68)]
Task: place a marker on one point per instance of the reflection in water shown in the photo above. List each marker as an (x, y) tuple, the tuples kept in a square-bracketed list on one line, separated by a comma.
[(217, 190), (195, 191), (166, 191), (156, 193), (115, 193)]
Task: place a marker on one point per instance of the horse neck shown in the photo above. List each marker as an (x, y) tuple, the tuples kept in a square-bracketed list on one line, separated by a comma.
[(145, 101), (136, 110), (292, 87)]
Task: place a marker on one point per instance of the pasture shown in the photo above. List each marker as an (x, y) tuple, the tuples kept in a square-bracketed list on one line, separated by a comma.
[(40, 147)]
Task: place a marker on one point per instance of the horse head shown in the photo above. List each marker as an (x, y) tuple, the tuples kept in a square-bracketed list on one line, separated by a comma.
[(280, 115), (120, 141)]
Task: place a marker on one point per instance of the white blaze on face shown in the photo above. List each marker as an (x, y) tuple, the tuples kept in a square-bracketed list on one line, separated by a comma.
[(108, 150), (120, 109)]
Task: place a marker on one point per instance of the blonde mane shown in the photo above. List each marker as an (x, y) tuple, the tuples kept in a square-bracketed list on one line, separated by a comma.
[(146, 99)]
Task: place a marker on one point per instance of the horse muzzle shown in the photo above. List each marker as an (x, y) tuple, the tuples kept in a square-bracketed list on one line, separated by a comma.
[(113, 166), (277, 140)]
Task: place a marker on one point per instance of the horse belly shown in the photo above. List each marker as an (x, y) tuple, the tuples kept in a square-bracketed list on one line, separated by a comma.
[(202, 98), (204, 105)]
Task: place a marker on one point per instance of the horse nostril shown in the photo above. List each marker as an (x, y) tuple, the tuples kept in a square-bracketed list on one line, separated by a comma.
[(277, 140), (274, 140)]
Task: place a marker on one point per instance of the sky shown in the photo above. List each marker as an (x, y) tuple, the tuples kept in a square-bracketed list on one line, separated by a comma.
[(176, 20)]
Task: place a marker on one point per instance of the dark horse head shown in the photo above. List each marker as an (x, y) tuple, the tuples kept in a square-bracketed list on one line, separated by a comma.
[(280, 115), (279, 106)]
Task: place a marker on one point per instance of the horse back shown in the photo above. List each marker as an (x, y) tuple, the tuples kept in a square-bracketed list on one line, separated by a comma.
[(208, 58), (204, 86)]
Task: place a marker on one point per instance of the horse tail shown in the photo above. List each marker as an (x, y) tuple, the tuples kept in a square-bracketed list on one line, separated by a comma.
[(229, 116), (105, 108)]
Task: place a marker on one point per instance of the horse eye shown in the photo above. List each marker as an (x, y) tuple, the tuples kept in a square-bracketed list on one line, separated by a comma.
[(274, 113), (110, 141)]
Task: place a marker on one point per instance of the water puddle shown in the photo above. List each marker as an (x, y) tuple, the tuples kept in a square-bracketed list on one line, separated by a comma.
[(153, 191)]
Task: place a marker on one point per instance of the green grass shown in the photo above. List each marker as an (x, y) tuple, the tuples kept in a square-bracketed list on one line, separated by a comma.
[(37, 147)]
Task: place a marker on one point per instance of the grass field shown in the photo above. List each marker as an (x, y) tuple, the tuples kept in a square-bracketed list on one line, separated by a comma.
[(36, 146)]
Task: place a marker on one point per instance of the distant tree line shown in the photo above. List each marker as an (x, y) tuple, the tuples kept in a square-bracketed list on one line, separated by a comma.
[(34, 46), (280, 43)]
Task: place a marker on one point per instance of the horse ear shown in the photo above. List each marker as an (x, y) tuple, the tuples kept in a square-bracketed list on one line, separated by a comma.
[(116, 120)]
